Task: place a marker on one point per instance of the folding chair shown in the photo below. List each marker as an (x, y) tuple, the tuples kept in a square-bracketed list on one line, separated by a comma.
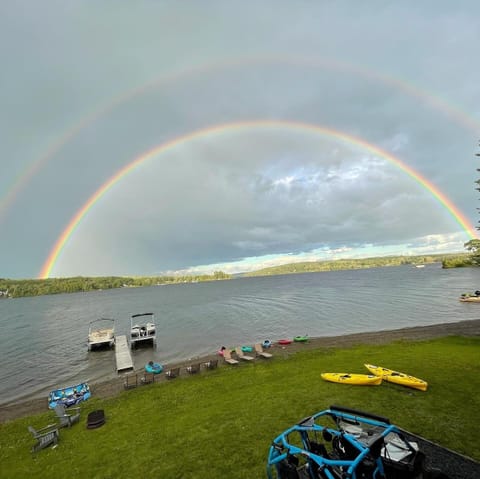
[(173, 373), (194, 368), (212, 364), (131, 381)]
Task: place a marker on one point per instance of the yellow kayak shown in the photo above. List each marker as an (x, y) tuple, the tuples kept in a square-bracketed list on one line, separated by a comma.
[(347, 378), (397, 378)]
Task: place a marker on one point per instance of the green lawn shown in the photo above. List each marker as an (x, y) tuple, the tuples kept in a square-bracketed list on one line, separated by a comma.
[(221, 423)]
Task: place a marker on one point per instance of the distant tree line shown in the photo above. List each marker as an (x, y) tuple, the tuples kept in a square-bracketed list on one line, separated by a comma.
[(36, 287), (447, 260)]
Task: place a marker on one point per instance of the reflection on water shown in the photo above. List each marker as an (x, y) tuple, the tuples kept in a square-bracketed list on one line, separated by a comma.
[(44, 340)]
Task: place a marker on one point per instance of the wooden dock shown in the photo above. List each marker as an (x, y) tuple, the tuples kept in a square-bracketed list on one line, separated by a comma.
[(122, 354)]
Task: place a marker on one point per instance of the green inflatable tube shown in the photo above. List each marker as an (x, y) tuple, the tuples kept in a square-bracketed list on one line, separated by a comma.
[(300, 339)]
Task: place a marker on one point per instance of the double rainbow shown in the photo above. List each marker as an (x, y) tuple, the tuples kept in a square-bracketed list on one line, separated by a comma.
[(337, 135), (451, 111)]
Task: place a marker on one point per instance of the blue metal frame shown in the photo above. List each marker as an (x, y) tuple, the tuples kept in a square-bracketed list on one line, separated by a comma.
[(281, 449)]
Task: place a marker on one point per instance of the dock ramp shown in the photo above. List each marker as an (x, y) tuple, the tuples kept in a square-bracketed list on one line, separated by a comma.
[(122, 354)]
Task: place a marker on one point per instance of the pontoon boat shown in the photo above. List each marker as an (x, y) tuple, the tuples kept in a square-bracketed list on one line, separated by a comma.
[(101, 333), (142, 329)]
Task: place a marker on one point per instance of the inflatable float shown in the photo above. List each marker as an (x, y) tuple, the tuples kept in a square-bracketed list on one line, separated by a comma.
[(300, 339), (154, 368), (267, 343), (69, 396), (285, 341)]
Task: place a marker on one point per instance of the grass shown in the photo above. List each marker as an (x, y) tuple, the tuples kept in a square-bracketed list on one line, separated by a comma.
[(220, 423)]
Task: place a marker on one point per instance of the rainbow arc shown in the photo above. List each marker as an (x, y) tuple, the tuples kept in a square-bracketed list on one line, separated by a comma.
[(433, 101), (157, 151)]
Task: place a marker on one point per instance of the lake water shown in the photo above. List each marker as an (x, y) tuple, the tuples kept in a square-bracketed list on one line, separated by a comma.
[(43, 341)]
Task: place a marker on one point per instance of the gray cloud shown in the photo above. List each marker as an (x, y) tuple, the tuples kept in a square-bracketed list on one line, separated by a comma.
[(400, 76)]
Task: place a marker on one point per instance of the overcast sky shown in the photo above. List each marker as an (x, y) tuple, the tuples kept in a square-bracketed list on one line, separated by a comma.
[(86, 87)]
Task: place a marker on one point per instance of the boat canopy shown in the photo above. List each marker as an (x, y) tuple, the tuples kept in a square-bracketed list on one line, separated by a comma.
[(100, 320), (141, 314)]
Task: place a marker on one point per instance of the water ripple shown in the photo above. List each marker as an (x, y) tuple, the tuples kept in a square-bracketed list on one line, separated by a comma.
[(43, 341)]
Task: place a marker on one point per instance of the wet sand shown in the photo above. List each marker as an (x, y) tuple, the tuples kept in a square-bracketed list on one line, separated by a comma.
[(115, 386)]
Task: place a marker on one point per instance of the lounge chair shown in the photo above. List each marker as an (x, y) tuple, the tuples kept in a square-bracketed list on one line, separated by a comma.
[(194, 368), (228, 357), (173, 373), (47, 436), (66, 419), (131, 381), (212, 364), (243, 356), (260, 352)]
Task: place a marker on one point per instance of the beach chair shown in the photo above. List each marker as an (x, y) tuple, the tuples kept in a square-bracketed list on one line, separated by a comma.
[(131, 381), (173, 373), (243, 356), (260, 352), (212, 364), (66, 419), (47, 436), (228, 357), (194, 368)]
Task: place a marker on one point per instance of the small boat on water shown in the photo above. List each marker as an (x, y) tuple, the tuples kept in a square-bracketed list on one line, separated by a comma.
[(356, 379), (142, 329), (101, 333), (397, 377), (69, 396)]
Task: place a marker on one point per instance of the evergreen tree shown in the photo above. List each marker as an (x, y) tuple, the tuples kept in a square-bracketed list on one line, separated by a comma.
[(474, 244)]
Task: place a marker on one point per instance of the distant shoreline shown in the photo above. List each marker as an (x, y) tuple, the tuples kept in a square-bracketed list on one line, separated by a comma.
[(11, 288), (113, 387)]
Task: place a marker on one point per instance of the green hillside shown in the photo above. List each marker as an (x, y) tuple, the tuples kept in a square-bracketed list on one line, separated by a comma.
[(447, 260)]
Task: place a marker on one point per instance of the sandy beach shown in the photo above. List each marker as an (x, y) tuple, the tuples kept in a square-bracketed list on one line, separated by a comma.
[(113, 387)]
